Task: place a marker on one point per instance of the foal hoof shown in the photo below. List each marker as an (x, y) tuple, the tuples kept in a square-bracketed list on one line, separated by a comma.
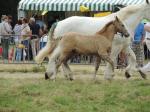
[(127, 75), (46, 76), (143, 75)]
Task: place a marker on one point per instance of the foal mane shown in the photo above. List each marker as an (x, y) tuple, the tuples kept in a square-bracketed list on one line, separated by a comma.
[(105, 27)]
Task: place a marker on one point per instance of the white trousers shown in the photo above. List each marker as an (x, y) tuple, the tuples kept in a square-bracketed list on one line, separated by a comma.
[(146, 68)]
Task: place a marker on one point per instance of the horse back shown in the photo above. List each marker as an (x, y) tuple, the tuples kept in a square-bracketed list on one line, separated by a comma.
[(82, 25)]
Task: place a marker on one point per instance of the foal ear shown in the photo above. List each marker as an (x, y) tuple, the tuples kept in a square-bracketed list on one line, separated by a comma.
[(117, 19), (147, 1)]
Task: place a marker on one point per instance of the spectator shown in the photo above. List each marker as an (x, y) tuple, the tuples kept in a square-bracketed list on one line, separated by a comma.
[(5, 32), (25, 36), (17, 30), (10, 22), (146, 68), (36, 32), (43, 39), (137, 44), (38, 20), (3, 17)]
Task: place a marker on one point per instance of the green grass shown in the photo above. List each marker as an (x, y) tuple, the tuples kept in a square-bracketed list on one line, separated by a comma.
[(80, 95)]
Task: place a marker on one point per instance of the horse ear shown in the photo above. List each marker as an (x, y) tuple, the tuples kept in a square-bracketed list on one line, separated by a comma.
[(117, 19), (147, 1)]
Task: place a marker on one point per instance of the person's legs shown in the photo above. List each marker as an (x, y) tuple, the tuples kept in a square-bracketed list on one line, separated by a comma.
[(25, 50), (17, 54), (146, 68), (37, 45), (5, 46), (139, 52), (33, 48)]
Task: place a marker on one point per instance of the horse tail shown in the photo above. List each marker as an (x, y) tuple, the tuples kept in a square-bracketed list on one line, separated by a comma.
[(51, 32), (55, 54), (50, 45)]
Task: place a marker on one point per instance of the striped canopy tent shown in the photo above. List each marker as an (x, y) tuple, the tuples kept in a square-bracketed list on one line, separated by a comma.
[(74, 5)]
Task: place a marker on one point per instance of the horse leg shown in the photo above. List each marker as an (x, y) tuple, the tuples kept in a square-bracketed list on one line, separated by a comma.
[(97, 63), (132, 64)]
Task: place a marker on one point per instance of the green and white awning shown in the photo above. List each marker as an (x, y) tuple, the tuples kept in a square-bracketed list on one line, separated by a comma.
[(73, 5)]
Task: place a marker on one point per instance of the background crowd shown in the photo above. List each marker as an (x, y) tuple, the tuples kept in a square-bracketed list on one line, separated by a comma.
[(26, 38)]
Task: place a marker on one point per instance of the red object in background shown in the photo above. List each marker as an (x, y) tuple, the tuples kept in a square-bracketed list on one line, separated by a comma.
[(11, 54), (1, 50)]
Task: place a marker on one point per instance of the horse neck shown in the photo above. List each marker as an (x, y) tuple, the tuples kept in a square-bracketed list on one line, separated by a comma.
[(131, 16), (109, 32)]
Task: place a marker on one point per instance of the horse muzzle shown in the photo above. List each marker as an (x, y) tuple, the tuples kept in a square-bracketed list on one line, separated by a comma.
[(127, 35)]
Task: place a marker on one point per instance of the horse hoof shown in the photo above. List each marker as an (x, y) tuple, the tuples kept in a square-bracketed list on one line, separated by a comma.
[(46, 76), (71, 79), (143, 75), (127, 75)]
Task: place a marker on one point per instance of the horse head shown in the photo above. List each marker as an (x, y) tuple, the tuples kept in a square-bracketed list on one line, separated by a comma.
[(147, 1), (120, 27), (147, 10)]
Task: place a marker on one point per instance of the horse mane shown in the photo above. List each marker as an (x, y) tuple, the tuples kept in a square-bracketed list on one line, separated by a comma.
[(105, 27), (126, 11)]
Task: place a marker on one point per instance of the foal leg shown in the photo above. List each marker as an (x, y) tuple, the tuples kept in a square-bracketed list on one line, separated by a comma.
[(58, 63), (64, 68), (51, 67), (68, 70), (97, 63), (108, 59), (62, 59), (116, 49)]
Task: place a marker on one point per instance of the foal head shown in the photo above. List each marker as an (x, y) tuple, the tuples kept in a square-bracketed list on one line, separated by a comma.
[(119, 26)]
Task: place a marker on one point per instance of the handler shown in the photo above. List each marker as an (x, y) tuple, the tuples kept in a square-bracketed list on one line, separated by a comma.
[(146, 68)]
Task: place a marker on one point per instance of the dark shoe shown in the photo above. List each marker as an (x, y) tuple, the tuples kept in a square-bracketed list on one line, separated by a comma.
[(46, 76), (143, 75)]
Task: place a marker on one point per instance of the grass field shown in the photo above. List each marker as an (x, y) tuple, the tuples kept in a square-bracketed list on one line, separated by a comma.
[(29, 92)]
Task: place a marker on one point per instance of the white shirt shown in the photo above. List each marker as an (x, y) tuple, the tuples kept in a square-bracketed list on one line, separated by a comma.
[(147, 35), (44, 38), (5, 28), (17, 29)]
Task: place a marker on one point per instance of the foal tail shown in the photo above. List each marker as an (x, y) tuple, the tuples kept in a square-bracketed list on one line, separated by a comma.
[(49, 46)]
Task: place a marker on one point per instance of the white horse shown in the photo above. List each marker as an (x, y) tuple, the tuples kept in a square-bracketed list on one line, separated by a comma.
[(130, 16)]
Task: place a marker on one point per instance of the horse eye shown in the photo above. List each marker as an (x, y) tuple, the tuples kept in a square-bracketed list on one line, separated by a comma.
[(122, 25)]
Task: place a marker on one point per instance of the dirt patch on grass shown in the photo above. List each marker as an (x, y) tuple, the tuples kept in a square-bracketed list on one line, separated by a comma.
[(8, 110), (33, 71)]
